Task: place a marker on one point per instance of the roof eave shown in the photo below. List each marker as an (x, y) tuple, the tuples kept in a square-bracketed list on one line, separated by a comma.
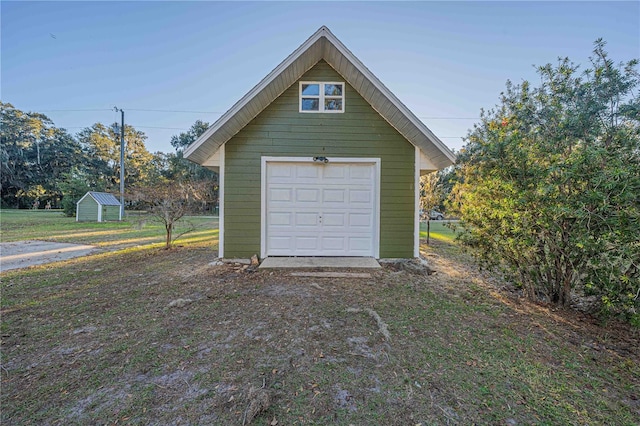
[(449, 156), (223, 129), (197, 151)]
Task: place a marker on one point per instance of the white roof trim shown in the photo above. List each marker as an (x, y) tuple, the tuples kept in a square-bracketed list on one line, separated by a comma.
[(88, 194), (414, 130)]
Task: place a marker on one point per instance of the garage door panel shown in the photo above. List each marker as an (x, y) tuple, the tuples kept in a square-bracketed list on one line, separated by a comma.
[(280, 194), (335, 242), (360, 173), (361, 220), (337, 172), (338, 219), (306, 219), (360, 243), (359, 196), (306, 243), (277, 171), (280, 243), (312, 173), (334, 195), (279, 219), (320, 209), (305, 195)]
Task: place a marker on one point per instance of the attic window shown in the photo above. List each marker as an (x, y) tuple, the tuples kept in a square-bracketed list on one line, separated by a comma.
[(321, 97)]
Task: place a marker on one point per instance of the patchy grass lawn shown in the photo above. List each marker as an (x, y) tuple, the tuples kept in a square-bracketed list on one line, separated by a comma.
[(94, 341), (136, 229)]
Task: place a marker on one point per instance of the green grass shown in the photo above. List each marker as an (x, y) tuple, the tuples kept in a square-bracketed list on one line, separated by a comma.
[(438, 231), (136, 229)]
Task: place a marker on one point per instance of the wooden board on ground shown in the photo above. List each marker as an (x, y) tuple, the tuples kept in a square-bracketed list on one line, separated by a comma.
[(331, 274)]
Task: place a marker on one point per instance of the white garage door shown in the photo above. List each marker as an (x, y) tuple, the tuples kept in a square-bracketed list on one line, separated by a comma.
[(318, 209)]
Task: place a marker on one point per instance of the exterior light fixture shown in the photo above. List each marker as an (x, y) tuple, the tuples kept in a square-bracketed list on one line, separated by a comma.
[(321, 159)]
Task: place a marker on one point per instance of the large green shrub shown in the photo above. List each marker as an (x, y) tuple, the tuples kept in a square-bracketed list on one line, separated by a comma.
[(550, 184)]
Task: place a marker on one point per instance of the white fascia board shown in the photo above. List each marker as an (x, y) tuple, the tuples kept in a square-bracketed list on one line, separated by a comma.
[(83, 197), (190, 150), (389, 95)]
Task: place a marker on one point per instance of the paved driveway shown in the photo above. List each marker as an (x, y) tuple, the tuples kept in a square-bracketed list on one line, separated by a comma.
[(21, 254)]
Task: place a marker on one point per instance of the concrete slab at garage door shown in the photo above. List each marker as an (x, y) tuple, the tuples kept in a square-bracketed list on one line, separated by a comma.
[(321, 209)]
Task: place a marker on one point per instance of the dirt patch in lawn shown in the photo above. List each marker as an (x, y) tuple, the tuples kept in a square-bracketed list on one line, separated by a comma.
[(249, 346)]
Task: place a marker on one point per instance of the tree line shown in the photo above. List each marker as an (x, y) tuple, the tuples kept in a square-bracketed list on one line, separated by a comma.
[(39, 161)]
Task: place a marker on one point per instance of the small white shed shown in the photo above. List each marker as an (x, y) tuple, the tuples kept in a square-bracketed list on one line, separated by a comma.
[(97, 206)]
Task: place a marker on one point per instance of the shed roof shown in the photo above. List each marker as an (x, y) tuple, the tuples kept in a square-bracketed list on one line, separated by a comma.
[(321, 45), (104, 198)]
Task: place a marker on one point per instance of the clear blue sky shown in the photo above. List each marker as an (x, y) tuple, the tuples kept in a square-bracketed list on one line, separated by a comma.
[(441, 59)]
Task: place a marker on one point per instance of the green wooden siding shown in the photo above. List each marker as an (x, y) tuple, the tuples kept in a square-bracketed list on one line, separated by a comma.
[(110, 213), (88, 210), (280, 130)]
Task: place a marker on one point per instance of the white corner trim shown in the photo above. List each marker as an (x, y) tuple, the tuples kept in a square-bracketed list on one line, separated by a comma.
[(263, 206), (376, 237), (263, 194), (416, 209), (221, 203)]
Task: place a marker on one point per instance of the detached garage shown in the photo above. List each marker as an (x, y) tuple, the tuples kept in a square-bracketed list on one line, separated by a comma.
[(319, 159), (97, 207)]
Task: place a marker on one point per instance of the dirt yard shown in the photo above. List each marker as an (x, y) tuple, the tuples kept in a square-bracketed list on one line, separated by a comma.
[(161, 337)]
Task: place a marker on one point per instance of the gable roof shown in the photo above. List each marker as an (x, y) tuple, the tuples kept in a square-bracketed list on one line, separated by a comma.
[(104, 198), (321, 45)]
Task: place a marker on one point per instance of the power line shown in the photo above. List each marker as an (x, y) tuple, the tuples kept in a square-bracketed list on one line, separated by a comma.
[(184, 128), (212, 112), (155, 127), (128, 109), (215, 112), (73, 110), (132, 125), (171, 110), (450, 118)]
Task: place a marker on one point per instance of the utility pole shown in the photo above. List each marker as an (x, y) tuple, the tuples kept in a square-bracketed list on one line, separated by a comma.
[(121, 162)]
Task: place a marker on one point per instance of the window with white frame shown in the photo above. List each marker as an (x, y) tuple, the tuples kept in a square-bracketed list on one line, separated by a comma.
[(321, 96)]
